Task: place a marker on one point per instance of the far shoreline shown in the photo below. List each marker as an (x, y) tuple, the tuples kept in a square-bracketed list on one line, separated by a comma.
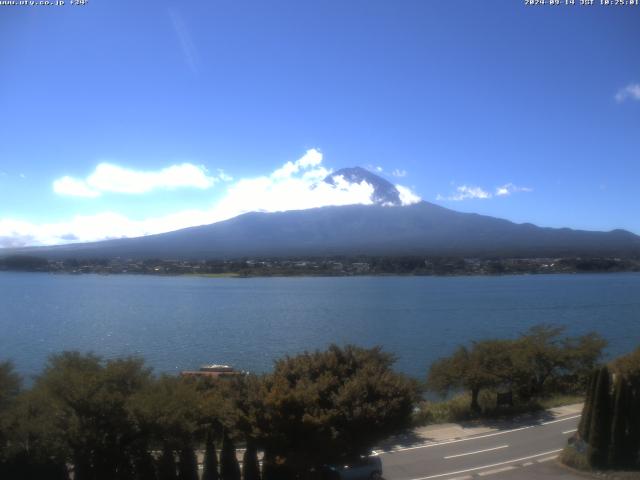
[(319, 275), (330, 266)]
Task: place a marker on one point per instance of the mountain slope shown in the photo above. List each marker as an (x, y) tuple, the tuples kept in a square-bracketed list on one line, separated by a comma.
[(384, 192), (422, 229)]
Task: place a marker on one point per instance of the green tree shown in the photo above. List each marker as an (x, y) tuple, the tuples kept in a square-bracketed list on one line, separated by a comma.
[(35, 445), (584, 354), (330, 405), (543, 354), (610, 422), (210, 459), (234, 403), (144, 464), (486, 364), (587, 409), (539, 355), (619, 425), (9, 390), (188, 464), (229, 467), (89, 398), (269, 469), (167, 464), (629, 366), (250, 465), (633, 436), (600, 429), (168, 409)]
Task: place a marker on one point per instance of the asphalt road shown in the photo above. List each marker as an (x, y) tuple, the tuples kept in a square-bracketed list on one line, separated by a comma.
[(525, 451)]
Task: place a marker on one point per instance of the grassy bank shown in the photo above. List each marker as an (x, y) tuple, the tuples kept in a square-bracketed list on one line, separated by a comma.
[(457, 408)]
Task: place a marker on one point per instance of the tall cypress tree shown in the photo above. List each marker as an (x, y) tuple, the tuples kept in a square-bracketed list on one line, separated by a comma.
[(54, 470), (144, 466), (188, 464), (167, 465), (23, 466), (82, 469), (57, 470), (619, 424), (587, 410), (210, 459), (600, 428), (268, 466), (229, 467), (250, 466), (633, 436)]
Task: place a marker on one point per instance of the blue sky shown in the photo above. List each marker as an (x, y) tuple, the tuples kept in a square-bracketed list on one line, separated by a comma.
[(125, 118)]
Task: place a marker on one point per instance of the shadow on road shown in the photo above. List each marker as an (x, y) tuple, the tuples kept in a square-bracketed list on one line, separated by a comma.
[(438, 433)]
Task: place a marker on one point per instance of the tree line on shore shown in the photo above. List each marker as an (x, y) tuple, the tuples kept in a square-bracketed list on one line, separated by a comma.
[(538, 363), (324, 266), (114, 419)]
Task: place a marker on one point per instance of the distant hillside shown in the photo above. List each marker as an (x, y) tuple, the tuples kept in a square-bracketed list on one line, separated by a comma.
[(421, 229)]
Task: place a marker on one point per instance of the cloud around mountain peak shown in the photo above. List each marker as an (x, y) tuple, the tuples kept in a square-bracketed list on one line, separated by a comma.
[(296, 185)]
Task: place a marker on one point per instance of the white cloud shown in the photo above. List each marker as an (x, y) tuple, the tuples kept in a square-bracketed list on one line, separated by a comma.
[(223, 176), (111, 178), (73, 187), (509, 188), (407, 197), (399, 173), (630, 92), (466, 192), (296, 185), (88, 228), (312, 158)]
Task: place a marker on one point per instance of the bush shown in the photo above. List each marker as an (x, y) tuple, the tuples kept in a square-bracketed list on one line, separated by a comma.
[(341, 401)]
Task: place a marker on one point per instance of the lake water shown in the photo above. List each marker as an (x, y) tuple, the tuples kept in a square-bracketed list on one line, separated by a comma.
[(180, 323)]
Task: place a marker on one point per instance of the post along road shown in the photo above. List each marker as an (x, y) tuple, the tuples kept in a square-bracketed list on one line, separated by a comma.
[(521, 450)]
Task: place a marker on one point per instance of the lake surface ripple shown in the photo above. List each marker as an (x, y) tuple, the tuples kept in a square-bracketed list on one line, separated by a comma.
[(178, 323)]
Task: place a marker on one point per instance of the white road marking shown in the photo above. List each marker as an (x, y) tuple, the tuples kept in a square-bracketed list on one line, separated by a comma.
[(496, 470), (440, 475), (527, 464), (570, 431), (466, 477), (448, 442), (560, 420), (477, 451), (546, 459)]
